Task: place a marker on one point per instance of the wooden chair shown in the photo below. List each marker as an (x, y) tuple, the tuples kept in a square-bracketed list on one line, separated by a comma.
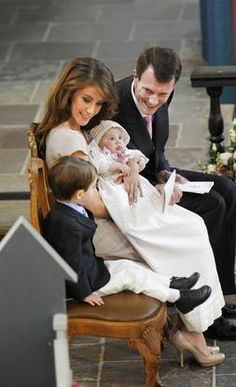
[(136, 317)]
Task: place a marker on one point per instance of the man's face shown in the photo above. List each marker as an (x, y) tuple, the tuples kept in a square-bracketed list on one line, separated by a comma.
[(150, 93)]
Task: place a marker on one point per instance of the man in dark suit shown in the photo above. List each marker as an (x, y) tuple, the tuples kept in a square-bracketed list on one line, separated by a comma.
[(145, 97)]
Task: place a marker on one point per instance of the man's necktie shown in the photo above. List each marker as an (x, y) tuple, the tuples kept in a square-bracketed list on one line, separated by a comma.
[(148, 123)]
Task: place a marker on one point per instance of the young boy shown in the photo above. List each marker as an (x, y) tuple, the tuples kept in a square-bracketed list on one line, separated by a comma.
[(69, 228)]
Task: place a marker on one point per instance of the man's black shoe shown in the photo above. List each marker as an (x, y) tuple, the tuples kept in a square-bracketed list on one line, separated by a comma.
[(221, 329), (190, 298), (184, 282), (229, 311)]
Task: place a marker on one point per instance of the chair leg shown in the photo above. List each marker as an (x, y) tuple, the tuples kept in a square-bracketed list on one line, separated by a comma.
[(152, 377), (149, 346)]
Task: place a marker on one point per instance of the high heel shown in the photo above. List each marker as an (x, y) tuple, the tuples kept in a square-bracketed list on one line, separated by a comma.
[(214, 348), (181, 344)]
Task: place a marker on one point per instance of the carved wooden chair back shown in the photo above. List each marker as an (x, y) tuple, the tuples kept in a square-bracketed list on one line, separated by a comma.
[(136, 317)]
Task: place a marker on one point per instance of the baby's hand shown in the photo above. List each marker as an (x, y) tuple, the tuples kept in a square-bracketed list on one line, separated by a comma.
[(93, 300), (141, 164)]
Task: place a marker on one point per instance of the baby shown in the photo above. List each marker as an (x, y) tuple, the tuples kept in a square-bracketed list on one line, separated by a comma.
[(109, 152)]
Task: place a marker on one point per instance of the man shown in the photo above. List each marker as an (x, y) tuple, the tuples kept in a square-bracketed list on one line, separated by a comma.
[(144, 97)]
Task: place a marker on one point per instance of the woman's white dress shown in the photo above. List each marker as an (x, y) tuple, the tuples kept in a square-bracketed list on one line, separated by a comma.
[(174, 243)]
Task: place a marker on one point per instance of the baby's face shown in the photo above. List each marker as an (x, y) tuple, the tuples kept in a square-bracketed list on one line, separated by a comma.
[(112, 140)]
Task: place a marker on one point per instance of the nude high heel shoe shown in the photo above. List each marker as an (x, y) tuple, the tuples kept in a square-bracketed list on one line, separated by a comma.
[(214, 349), (182, 344)]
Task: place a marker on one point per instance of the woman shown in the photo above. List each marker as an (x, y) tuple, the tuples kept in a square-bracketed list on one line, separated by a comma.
[(85, 93)]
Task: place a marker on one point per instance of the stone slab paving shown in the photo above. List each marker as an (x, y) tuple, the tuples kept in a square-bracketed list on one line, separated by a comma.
[(113, 363), (36, 40)]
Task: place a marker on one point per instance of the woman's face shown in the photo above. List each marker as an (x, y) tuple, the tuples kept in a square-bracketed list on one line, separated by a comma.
[(85, 104)]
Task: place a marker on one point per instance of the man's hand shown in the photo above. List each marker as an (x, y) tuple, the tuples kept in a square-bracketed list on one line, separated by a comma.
[(176, 196), (180, 179), (93, 300), (164, 175)]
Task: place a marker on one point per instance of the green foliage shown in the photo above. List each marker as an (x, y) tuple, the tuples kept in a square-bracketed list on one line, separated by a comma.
[(223, 163)]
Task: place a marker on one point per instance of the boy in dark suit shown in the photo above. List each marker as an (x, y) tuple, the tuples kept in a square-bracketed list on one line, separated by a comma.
[(69, 228)]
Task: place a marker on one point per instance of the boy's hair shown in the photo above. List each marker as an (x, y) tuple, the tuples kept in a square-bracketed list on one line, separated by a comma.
[(69, 174)]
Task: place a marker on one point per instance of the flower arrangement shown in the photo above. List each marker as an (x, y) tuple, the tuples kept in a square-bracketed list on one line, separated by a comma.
[(223, 163)]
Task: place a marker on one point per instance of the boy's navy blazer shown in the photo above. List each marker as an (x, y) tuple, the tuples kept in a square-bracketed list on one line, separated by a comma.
[(129, 116), (71, 234)]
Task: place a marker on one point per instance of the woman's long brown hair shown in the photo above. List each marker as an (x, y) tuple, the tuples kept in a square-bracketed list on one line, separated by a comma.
[(78, 74)]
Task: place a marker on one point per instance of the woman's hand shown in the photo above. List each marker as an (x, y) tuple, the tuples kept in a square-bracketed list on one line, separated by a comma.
[(93, 300), (141, 164), (125, 169), (131, 182)]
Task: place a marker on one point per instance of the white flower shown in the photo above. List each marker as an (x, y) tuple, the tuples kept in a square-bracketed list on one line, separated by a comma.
[(224, 158), (232, 135), (211, 168)]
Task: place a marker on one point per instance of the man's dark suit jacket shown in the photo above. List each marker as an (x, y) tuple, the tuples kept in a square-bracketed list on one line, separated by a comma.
[(217, 208), (71, 233)]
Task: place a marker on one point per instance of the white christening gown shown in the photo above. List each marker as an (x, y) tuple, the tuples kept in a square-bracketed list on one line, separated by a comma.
[(171, 243)]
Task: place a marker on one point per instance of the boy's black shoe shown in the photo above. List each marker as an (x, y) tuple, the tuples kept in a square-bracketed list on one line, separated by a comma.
[(184, 282), (189, 299)]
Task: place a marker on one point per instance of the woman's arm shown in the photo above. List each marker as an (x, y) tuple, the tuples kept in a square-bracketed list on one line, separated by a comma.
[(131, 182), (81, 155), (96, 206)]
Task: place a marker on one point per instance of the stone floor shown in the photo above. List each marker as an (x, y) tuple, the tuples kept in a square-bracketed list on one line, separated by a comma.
[(36, 40), (97, 362)]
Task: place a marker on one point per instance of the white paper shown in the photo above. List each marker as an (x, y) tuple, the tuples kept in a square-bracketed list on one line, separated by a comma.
[(200, 187), (168, 190)]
